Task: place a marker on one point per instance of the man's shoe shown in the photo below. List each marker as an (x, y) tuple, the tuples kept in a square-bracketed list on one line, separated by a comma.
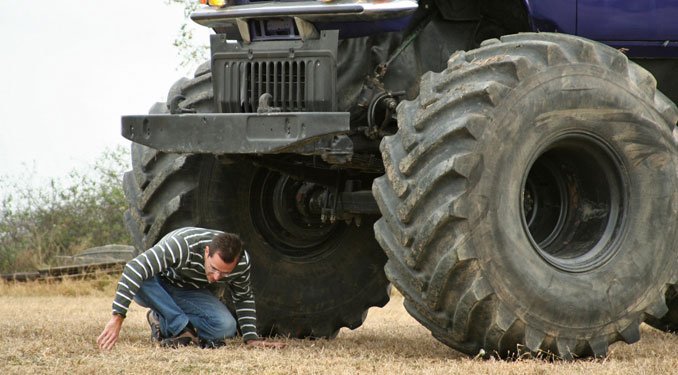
[(211, 344), (185, 338), (154, 322)]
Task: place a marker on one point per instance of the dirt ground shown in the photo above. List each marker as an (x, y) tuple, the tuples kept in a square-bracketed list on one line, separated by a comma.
[(53, 328)]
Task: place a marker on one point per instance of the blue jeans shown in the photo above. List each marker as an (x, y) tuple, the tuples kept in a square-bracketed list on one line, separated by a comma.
[(177, 307)]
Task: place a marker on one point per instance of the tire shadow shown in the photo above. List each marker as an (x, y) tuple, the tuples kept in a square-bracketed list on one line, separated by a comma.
[(408, 346)]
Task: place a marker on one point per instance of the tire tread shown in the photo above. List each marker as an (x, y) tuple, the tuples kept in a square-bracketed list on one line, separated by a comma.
[(429, 260)]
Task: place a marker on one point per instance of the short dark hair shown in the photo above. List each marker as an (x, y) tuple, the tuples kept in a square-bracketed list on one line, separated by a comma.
[(227, 245)]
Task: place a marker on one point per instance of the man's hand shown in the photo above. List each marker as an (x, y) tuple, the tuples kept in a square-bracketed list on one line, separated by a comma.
[(266, 344), (111, 332)]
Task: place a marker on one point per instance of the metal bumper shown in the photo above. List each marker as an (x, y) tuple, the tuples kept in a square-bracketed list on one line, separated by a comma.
[(237, 133), (335, 11)]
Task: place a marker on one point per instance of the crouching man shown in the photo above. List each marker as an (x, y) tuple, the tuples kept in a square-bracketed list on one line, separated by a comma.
[(172, 280)]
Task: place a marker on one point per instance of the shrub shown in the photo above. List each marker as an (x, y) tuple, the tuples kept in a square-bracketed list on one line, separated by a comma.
[(85, 209)]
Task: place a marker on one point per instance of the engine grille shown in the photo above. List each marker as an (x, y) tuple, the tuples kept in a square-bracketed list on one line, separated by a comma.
[(299, 84), (284, 80)]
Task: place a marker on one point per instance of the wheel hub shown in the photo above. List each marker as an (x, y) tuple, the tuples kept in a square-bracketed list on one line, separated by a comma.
[(573, 202), (287, 213)]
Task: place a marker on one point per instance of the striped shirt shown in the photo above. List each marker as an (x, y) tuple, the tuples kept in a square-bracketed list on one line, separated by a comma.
[(179, 259)]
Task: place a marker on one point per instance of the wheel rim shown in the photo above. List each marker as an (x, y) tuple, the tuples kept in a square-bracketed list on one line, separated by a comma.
[(573, 202), (286, 213)]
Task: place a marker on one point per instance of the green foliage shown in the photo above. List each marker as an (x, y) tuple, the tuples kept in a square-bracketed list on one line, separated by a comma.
[(38, 224), (191, 51)]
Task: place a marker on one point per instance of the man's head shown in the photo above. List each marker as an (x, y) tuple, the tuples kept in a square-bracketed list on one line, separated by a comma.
[(227, 245), (222, 255)]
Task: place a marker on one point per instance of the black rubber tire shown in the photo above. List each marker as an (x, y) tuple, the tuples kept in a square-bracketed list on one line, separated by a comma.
[(458, 189), (310, 292), (160, 187), (298, 296)]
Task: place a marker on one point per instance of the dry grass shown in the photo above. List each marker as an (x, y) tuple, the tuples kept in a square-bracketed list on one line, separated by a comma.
[(52, 328)]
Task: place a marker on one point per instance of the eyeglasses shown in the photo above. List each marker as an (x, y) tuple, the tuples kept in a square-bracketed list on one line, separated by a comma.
[(211, 269)]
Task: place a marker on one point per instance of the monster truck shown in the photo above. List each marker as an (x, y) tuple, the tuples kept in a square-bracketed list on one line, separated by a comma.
[(513, 178)]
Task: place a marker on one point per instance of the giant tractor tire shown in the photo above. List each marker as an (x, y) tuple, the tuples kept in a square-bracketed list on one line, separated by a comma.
[(529, 199), (309, 279)]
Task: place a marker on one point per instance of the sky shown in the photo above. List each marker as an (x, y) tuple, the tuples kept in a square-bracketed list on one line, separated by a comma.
[(68, 71)]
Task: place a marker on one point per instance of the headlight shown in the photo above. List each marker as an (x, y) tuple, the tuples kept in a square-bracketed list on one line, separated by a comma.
[(215, 3)]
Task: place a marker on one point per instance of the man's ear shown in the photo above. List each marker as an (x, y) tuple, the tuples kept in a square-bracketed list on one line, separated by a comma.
[(207, 251)]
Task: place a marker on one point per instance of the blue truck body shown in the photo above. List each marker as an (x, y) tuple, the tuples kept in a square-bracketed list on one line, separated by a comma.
[(646, 29)]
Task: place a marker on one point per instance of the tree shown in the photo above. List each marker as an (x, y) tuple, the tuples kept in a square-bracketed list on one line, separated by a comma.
[(85, 209), (191, 51)]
